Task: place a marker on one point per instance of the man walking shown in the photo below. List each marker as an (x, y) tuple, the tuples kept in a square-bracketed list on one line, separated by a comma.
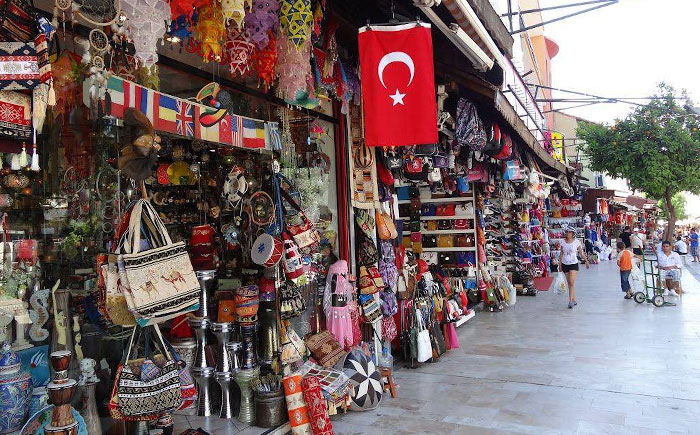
[(637, 243), (694, 245)]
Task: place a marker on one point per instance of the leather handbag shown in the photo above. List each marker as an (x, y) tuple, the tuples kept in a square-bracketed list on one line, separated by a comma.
[(430, 241), (385, 226), (159, 394), (445, 241), (161, 280)]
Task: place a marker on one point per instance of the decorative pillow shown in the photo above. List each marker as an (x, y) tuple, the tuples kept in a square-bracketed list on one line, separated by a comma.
[(365, 380), (325, 348)]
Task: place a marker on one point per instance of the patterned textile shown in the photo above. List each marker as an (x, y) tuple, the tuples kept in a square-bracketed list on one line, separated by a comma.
[(17, 21), (42, 54), (316, 404), (15, 115), (296, 407), (295, 20), (18, 66), (158, 395), (325, 348), (334, 383), (365, 379)]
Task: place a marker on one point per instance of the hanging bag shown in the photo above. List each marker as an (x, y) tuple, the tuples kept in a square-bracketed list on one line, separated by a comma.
[(162, 393), (161, 281), (470, 130), (305, 235), (424, 348)]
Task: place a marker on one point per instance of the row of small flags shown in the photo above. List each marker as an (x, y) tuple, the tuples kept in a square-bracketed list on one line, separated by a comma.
[(178, 116)]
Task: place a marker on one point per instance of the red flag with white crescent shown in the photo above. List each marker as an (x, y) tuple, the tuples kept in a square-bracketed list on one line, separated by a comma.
[(398, 85)]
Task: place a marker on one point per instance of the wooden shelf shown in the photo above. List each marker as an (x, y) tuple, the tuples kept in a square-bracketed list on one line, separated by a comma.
[(431, 200), (454, 249), (439, 218), (408, 233)]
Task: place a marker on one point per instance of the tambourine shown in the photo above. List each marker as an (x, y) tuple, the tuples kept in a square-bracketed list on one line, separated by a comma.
[(267, 250)]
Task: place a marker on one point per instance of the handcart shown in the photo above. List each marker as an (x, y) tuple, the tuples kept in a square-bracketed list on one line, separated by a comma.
[(653, 287)]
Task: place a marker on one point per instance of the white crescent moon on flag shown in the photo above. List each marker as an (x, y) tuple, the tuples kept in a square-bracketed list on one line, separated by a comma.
[(395, 56)]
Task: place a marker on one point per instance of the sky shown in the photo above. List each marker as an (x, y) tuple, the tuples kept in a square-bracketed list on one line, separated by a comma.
[(625, 50)]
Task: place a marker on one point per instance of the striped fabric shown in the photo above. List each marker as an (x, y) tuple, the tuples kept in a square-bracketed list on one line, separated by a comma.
[(465, 25), (296, 407)]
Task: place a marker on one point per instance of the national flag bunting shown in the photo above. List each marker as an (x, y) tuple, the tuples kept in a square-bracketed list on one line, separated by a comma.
[(167, 114), (185, 119), (237, 131), (253, 133)]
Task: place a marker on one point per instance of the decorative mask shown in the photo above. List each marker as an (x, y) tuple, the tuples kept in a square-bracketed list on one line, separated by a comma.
[(263, 18), (265, 60), (238, 51), (210, 30), (296, 19), (140, 153), (235, 10), (147, 23)]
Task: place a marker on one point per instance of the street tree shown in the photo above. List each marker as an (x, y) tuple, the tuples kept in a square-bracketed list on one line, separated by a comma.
[(679, 203), (656, 148)]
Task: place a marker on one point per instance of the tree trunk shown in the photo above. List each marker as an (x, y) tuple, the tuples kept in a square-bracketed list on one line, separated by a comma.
[(671, 211)]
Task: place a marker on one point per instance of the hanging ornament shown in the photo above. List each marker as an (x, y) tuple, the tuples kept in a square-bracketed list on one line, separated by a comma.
[(294, 71), (263, 19), (147, 23), (235, 10), (238, 51), (186, 7), (180, 29), (296, 19), (35, 161), (210, 31), (265, 60)]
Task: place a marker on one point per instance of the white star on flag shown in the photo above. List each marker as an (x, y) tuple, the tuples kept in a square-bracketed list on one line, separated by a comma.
[(398, 98)]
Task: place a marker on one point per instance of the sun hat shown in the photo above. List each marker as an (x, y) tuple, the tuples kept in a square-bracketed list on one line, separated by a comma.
[(569, 228)]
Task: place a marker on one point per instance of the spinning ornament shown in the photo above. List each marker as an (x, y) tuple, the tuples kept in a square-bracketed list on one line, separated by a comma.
[(265, 60), (147, 23)]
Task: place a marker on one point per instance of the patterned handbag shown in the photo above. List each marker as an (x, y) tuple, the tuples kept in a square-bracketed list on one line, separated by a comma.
[(158, 395), (161, 281)]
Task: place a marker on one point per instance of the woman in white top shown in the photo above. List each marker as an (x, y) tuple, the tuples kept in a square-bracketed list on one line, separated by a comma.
[(568, 262)]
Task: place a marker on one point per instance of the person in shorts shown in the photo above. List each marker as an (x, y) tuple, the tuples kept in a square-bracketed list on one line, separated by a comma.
[(670, 265), (637, 243), (694, 245), (568, 261), (624, 261)]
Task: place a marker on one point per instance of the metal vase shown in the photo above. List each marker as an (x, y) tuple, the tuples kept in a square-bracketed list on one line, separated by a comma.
[(270, 409), (268, 336), (224, 379), (233, 348), (246, 413), (223, 332), (200, 327), (248, 354), (203, 377), (207, 283)]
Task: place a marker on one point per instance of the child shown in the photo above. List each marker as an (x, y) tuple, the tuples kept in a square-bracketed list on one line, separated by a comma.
[(624, 260)]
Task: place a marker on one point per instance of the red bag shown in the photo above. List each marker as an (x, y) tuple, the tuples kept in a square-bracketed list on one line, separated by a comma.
[(385, 175)]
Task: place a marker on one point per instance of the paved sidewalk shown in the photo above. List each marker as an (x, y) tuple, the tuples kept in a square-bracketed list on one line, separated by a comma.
[(609, 366)]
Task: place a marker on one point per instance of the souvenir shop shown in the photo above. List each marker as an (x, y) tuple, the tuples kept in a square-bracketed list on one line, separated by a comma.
[(204, 213)]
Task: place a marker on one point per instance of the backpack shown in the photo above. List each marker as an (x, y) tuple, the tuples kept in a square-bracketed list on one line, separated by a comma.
[(470, 129)]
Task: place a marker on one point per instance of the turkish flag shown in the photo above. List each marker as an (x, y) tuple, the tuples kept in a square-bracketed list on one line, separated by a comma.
[(398, 85)]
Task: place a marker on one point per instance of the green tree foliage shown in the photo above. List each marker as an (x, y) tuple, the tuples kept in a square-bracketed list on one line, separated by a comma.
[(656, 148), (678, 202)]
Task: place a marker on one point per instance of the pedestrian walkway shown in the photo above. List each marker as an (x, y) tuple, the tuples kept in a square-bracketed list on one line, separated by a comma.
[(609, 366)]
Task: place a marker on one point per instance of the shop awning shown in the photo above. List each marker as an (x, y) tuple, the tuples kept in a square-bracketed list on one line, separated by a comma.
[(469, 21)]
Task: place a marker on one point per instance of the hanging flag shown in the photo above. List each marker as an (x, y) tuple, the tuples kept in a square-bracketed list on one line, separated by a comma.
[(253, 133), (184, 123), (225, 130), (237, 131), (119, 92), (167, 114), (398, 85), (210, 133), (145, 100)]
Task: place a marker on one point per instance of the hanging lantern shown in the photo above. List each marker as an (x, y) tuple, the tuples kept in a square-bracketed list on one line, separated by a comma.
[(235, 10), (147, 23), (210, 30), (263, 19), (265, 60), (238, 51), (294, 71), (296, 19)]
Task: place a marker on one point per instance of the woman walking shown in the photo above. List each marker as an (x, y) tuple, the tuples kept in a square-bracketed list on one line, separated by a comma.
[(568, 261)]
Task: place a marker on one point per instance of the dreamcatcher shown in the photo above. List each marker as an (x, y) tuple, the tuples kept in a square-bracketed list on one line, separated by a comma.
[(108, 190), (98, 13)]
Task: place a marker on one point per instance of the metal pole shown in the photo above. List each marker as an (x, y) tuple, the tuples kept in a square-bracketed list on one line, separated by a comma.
[(573, 14), (548, 8)]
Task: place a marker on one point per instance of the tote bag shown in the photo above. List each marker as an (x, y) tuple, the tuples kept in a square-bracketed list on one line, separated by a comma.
[(425, 348), (161, 280)]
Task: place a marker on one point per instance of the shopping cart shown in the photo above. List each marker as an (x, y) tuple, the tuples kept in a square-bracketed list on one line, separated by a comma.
[(651, 281)]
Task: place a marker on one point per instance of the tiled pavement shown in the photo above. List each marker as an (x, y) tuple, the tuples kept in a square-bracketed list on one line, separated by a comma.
[(609, 366)]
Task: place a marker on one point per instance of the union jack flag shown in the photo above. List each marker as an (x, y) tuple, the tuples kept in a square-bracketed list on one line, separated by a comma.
[(185, 119)]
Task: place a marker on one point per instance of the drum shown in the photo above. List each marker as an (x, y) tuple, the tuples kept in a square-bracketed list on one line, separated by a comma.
[(267, 250)]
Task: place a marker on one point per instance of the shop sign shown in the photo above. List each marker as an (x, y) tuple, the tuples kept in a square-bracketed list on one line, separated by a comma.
[(558, 146)]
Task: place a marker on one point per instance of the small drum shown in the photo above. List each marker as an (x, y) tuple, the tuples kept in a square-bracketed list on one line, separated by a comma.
[(267, 250)]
